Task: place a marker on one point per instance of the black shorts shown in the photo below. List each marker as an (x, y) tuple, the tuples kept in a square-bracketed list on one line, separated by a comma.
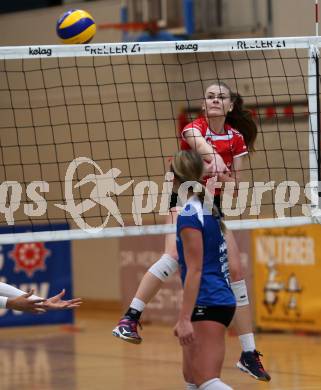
[(176, 202), (221, 314)]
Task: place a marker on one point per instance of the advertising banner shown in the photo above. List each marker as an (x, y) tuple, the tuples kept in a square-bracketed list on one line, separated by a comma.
[(287, 274), (42, 266)]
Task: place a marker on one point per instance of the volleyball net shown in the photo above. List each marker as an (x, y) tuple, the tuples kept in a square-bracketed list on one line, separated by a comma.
[(86, 133)]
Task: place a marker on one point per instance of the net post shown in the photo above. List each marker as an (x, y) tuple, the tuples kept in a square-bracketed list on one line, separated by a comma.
[(316, 17), (314, 129)]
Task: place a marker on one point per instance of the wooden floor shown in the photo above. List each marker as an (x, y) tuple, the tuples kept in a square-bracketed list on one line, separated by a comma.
[(47, 358)]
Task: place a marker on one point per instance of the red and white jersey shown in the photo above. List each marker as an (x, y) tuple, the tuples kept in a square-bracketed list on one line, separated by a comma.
[(228, 145)]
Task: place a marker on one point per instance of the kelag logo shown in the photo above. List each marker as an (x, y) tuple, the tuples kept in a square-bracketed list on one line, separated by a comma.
[(186, 46), (40, 51)]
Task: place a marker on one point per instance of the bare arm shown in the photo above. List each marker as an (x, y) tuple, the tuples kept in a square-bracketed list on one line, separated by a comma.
[(237, 168), (235, 174), (193, 253), (197, 142)]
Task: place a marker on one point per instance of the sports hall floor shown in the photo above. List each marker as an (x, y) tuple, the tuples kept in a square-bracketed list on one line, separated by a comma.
[(90, 358)]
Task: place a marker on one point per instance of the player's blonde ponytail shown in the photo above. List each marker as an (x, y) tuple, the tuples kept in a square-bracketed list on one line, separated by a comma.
[(187, 165)]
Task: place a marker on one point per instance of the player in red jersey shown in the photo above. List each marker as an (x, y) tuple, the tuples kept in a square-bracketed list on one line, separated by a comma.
[(223, 136), (229, 144)]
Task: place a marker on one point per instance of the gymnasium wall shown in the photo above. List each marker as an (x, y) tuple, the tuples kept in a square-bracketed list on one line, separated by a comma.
[(290, 18), (38, 27), (293, 18)]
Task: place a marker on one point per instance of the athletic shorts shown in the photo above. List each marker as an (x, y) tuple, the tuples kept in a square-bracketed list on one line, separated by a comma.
[(175, 201), (221, 314)]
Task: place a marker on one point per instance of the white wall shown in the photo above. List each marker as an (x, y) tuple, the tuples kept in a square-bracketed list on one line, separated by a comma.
[(96, 269), (293, 17)]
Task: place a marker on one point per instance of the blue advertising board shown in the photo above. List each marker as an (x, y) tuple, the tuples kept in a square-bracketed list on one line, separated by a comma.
[(42, 266)]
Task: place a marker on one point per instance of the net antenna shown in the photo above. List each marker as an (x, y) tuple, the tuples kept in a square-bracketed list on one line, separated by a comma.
[(87, 130), (316, 17)]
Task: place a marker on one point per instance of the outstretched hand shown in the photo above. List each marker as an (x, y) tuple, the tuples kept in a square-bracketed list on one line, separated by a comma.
[(23, 303), (57, 303)]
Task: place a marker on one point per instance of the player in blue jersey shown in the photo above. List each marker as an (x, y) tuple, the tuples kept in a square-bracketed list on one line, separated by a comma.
[(208, 301)]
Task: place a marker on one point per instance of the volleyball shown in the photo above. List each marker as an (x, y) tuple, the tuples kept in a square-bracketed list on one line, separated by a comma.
[(76, 26)]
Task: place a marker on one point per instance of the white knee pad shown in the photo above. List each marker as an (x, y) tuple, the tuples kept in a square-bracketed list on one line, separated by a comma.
[(214, 384), (164, 268), (240, 291)]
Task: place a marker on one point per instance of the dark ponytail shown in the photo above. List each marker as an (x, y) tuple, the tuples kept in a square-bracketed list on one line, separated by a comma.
[(241, 120)]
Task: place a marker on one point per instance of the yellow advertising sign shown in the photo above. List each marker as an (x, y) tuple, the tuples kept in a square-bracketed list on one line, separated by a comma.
[(287, 278)]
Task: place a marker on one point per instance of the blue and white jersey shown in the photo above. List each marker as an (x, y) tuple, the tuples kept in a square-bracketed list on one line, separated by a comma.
[(214, 287)]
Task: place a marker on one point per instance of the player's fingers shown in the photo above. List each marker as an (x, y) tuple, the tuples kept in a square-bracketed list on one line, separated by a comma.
[(38, 301), (67, 307), (75, 300), (38, 310), (191, 338), (61, 294), (29, 293), (187, 338), (184, 340)]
